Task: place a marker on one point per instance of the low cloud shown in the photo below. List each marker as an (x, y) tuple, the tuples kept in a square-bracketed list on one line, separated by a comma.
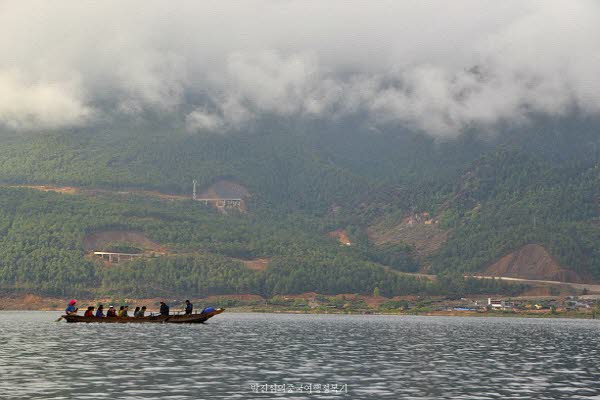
[(221, 66), (202, 120), (26, 105)]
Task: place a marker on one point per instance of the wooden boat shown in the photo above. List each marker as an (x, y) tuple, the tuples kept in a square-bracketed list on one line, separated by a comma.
[(197, 318)]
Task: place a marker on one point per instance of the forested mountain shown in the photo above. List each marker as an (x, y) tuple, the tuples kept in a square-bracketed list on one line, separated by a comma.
[(406, 202)]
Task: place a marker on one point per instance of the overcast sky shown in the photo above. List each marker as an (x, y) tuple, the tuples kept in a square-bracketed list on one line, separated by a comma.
[(438, 66)]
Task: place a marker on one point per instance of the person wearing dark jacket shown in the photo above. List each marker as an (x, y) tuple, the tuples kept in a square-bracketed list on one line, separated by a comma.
[(189, 307), (111, 312), (164, 309)]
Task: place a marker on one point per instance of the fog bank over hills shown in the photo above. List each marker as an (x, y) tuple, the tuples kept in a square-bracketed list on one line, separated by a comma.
[(441, 69)]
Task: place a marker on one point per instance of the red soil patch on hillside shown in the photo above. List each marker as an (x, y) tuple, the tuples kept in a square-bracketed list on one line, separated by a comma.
[(241, 297), (531, 262), (341, 236), (221, 190), (258, 264), (98, 240), (32, 302), (303, 296), (153, 193), (93, 192), (47, 188), (374, 302)]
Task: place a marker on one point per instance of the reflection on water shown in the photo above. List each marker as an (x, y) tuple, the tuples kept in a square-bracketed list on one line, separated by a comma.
[(375, 356)]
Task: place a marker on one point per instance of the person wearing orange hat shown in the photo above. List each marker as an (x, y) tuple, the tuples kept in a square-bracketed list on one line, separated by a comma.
[(71, 309)]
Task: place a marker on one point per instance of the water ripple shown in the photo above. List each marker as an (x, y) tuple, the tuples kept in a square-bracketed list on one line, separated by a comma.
[(379, 357)]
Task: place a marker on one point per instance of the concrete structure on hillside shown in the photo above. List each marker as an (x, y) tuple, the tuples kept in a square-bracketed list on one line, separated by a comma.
[(116, 258), (222, 195), (223, 204)]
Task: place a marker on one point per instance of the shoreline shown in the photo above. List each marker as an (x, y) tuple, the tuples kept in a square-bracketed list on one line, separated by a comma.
[(304, 304), (244, 310), (471, 314)]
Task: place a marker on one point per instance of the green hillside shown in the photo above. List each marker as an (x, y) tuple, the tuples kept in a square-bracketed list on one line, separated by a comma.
[(42, 251), (488, 195)]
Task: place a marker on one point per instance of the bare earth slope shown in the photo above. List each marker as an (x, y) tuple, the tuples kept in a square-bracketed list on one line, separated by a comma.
[(418, 230), (341, 235), (98, 240), (531, 261)]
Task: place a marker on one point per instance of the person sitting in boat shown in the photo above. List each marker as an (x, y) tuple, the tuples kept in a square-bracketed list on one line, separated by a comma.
[(123, 311), (71, 309), (164, 309), (188, 307), (100, 311), (139, 312), (89, 312), (111, 312)]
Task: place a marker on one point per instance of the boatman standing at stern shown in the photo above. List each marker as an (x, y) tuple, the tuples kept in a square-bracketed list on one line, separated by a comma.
[(164, 309), (188, 307)]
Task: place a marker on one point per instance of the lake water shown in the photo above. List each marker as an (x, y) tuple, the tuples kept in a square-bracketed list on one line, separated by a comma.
[(249, 356)]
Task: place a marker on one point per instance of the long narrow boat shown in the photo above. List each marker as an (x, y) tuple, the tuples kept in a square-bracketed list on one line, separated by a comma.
[(168, 319)]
